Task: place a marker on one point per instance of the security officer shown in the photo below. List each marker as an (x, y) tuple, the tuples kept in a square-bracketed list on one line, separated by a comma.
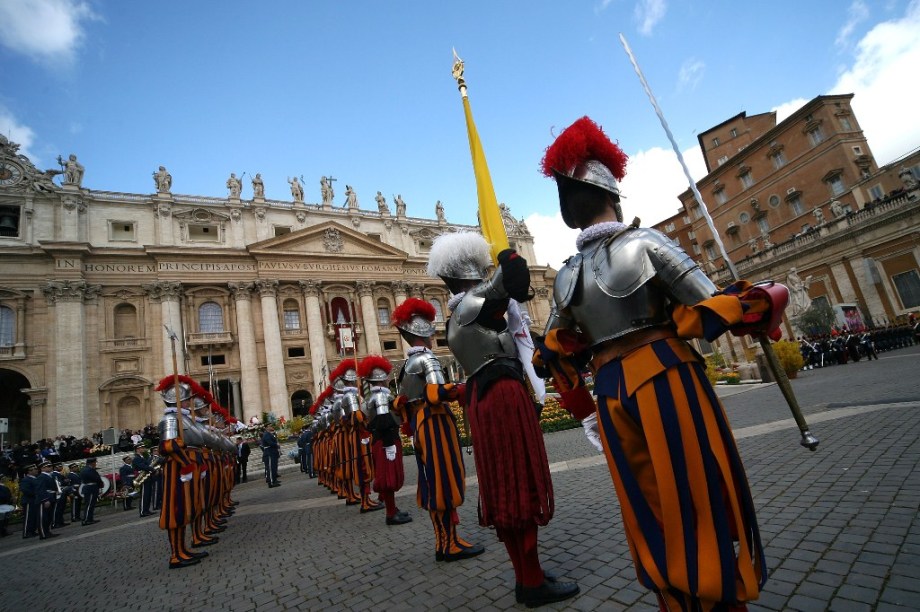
[(305, 442), (126, 473), (76, 483), (45, 496), (28, 485), (156, 481), (63, 489), (271, 450), (92, 482), (141, 465)]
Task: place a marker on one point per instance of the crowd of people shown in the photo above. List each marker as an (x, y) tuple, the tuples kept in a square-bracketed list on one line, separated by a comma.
[(843, 345)]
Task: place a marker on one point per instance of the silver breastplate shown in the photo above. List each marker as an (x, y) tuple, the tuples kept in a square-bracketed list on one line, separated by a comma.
[(476, 346), (616, 287), (377, 402), (169, 430), (350, 403), (419, 370)]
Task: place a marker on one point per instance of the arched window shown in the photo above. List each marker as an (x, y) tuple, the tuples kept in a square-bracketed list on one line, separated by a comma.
[(125, 321), (291, 314), (383, 311), (210, 318), (438, 311), (7, 326), (341, 312)]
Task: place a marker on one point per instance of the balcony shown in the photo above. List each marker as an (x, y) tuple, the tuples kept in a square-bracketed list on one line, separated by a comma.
[(124, 344), (13, 351), (223, 338), (293, 331)]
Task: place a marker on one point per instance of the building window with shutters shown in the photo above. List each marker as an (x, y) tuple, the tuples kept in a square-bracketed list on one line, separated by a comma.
[(7, 326), (291, 310)]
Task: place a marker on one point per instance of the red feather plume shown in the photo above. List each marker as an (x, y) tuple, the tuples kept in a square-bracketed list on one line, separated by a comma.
[(197, 389), (370, 362), (581, 141), (410, 308), (341, 369)]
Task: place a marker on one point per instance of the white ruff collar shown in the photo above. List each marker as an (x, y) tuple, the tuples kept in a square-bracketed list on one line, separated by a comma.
[(454, 300), (350, 390), (600, 230), (414, 350), (377, 388)]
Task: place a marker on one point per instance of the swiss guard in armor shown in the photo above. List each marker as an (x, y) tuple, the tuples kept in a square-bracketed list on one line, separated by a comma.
[(383, 425), (359, 467), (515, 487), (321, 441), (423, 395), (203, 528), (179, 440), (628, 300), (345, 402)]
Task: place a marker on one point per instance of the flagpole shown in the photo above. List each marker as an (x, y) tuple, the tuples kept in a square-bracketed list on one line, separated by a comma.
[(808, 439)]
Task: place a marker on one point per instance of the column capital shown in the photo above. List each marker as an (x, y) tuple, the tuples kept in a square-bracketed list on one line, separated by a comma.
[(400, 287), (267, 287), (309, 287), (542, 292), (164, 291), (416, 290), (365, 288), (241, 291), (69, 291)]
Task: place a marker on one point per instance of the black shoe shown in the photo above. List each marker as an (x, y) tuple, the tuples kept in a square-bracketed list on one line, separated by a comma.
[(145, 514), (399, 518), (50, 535), (466, 553), (272, 486), (93, 522), (519, 588), (353, 502), (548, 592), (183, 563), (372, 508), (208, 542), (198, 555), (211, 532)]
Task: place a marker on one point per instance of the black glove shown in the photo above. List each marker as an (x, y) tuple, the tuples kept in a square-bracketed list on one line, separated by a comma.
[(515, 275)]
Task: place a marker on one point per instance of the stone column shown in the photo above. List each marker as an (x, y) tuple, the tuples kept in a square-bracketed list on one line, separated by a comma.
[(310, 289), (274, 360), (70, 364), (167, 294), (235, 390), (369, 310), (400, 293), (249, 359)]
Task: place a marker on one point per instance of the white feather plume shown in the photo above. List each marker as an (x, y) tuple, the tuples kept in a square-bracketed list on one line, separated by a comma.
[(451, 253)]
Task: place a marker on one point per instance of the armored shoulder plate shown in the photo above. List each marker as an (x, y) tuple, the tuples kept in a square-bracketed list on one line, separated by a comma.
[(169, 427), (566, 280), (350, 403), (471, 305), (633, 268), (419, 369), (377, 402)]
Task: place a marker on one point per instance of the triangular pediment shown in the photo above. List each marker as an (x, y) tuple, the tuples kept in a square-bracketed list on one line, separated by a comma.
[(329, 239)]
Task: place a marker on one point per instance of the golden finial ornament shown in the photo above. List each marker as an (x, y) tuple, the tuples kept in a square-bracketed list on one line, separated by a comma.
[(457, 72)]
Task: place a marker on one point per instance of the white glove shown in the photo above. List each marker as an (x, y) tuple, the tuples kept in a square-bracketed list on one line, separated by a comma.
[(594, 437), (391, 452)]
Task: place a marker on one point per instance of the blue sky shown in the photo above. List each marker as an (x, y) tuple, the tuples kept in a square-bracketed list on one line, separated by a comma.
[(362, 90)]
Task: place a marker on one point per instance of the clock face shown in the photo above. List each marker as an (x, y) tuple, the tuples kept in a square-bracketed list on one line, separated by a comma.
[(10, 173)]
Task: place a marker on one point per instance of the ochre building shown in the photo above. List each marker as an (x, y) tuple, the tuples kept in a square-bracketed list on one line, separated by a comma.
[(265, 297)]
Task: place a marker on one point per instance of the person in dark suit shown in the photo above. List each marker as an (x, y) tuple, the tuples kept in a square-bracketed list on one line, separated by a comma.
[(28, 486), (92, 483), (305, 442), (242, 459), (75, 482), (62, 486), (271, 451), (141, 465), (126, 473), (45, 496)]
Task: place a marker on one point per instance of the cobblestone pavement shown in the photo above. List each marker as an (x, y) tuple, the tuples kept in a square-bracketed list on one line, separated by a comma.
[(840, 526)]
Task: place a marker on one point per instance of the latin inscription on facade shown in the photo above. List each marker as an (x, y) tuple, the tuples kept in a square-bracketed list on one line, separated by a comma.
[(200, 266)]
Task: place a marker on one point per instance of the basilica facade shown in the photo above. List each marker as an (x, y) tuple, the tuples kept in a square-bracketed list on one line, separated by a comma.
[(101, 293)]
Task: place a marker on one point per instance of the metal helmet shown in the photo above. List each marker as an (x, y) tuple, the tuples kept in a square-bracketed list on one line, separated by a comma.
[(415, 316), (169, 394), (375, 369), (583, 154)]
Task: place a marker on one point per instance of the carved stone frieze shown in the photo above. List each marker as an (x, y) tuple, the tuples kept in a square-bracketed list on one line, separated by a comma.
[(164, 291), (400, 287), (267, 287), (240, 291), (69, 291), (332, 240), (365, 288), (310, 288)]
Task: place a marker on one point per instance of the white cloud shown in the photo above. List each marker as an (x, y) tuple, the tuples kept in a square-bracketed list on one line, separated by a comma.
[(654, 179), (553, 240), (883, 79), (648, 13), (856, 14), (18, 133), (785, 110), (48, 31), (691, 73)]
